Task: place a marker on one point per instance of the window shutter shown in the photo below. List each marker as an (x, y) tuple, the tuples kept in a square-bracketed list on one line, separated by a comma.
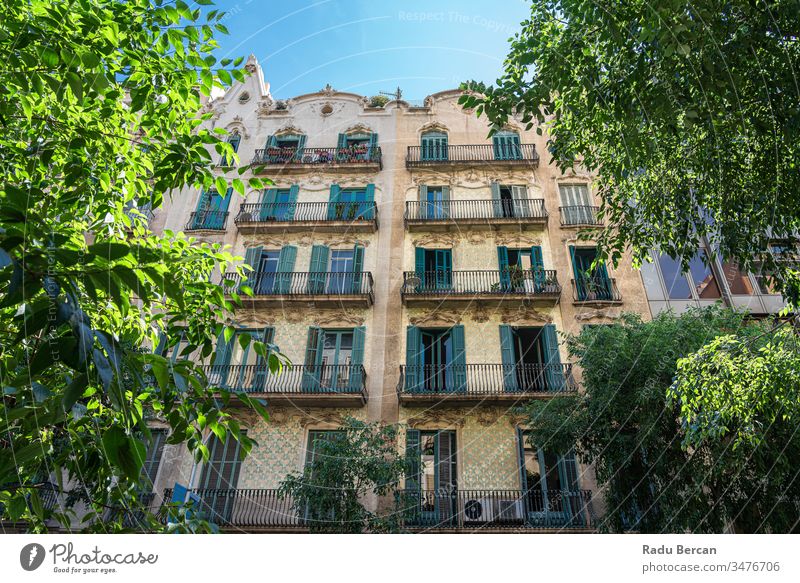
[(425, 208), (537, 264), (358, 268), (502, 262), (224, 202), (414, 457), (521, 203), (252, 257), (162, 344), (268, 205), (496, 203), (301, 144), (523, 474), (318, 269), (272, 142), (294, 190), (261, 374), (357, 359), (313, 360), (414, 363), (222, 357), (580, 286), (204, 201), (419, 262), (335, 210), (553, 372), (367, 210), (286, 259), (342, 142), (508, 358), (445, 487), (446, 201), (459, 364)]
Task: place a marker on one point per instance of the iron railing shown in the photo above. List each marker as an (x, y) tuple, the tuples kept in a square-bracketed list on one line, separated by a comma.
[(133, 517), (322, 379), (595, 288), (257, 508), (532, 283), (455, 210), (306, 211), (317, 156), (579, 215), (486, 380), (300, 283), (465, 509), (209, 220), (480, 153)]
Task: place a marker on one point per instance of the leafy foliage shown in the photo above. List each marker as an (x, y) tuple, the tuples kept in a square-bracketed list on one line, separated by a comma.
[(99, 105), (687, 112), (657, 455), (360, 460)]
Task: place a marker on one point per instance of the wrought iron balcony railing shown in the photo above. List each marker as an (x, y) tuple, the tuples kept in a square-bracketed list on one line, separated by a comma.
[(133, 517), (207, 220), (358, 155), (573, 216), (323, 379), (298, 283), (485, 509), (306, 212), (488, 210), (474, 154), (485, 380), (595, 288), (532, 283), (240, 507)]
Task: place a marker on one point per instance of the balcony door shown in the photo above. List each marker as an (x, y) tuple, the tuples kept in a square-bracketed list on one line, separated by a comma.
[(211, 209), (507, 146), (590, 283), (219, 480), (334, 360), (341, 269), (278, 204), (434, 268), (431, 486), (435, 360), (433, 146), (577, 205), (267, 270), (240, 368), (550, 486), (531, 359)]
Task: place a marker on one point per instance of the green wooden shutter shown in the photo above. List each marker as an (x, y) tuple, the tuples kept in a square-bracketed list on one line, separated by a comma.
[(580, 288), (335, 210), (268, 207), (342, 141), (554, 374), (414, 456), (204, 201), (413, 377), (426, 210), (272, 142), (286, 260), (502, 263), (537, 264), (252, 257), (496, 202), (301, 144), (523, 473), (508, 358), (222, 358), (446, 202), (357, 359), (445, 475), (358, 268), (372, 153), (294, 190), (419, 264), (312, 368), (459, 364), (368, 209), (162, 344), (261, 373), (318, 269)]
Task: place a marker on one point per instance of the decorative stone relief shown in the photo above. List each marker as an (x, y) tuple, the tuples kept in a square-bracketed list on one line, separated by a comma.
[(359, 128), (335, 239), (480, 315), (603, 313), (433, 126), (475, 237), (338, 318), (444, 318), (264, 240), (516, 240), (289, 129), (524, 315), (436, 239), (264, 107), (321, 417), (238, 125), (438, 419)]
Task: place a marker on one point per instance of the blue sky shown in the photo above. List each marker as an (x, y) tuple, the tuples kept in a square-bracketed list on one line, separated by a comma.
[(366, 47)]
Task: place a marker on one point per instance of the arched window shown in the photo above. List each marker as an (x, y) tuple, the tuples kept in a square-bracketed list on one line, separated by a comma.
[(434, 146), (507, 146)]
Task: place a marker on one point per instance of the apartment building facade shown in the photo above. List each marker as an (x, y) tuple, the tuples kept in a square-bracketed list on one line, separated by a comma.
[(415, 272)]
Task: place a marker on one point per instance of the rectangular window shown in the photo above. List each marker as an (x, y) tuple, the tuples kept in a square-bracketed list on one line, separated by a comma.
[(705, 284), (674, 280), (267, 268), (738, 282), (577, 205), (341, 271)]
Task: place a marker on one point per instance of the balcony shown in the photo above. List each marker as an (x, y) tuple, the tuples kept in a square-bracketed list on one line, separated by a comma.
[(482, 154), (207, 221), (595, 291), (325, 385), (482, 286), (489, 510), (316, 288), (252, 509), (579, 216), (133, 518), (290, 159), (456, 385), (453, 214), (285, 217)]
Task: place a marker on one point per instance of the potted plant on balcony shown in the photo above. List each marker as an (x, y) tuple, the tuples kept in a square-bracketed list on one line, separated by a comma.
[(516, 278)]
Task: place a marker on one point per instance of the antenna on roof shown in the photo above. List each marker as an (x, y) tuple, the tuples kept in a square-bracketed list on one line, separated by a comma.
[(396, 95)]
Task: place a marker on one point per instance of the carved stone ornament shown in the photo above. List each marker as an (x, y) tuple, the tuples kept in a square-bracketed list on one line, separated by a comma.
[(237, 125), (443, 318), (264, 107), (247, 417), (574, 173), (336, 240), (264, 241), (514, 240), (318, 417), (359, 128), (475, 237), (479, 315), (438, 419), (289, 130), (327, 90), (338, 318), (433, 126), (524, 315), (599, 314), (251, 65), (261, 317), (436, 240)]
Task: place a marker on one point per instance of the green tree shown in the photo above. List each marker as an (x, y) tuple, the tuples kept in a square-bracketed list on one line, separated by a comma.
[(359, 460), (642, 441), (99, 106), (687, 111)]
